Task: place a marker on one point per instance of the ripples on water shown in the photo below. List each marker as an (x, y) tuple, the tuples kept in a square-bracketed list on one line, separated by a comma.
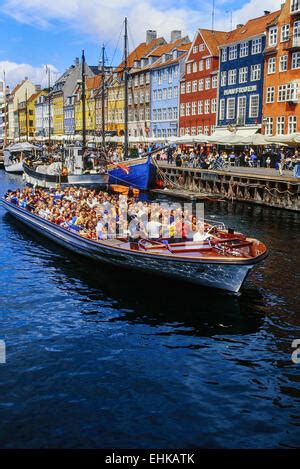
[(99, 358)]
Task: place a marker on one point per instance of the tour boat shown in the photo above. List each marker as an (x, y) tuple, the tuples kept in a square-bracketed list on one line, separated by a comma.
[(15, 154), (222, 262)]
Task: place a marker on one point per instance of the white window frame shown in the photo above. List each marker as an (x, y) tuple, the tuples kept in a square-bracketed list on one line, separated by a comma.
[(251, 98), (230, 110), (244, 49)]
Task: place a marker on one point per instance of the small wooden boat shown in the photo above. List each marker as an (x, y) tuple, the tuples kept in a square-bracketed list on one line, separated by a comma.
[(124, 190), (223, 262)]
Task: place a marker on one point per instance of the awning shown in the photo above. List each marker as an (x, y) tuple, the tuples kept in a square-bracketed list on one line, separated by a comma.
[(287, 139)]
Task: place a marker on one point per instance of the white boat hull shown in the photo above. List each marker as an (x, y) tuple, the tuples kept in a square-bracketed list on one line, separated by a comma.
[(222, 275), (16, 168)]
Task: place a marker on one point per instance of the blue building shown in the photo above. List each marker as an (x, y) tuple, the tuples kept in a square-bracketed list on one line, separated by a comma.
[(165, 82), (241, 75)]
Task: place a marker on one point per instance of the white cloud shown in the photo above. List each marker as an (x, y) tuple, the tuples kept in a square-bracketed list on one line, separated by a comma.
[(102, 20), (15, 73)]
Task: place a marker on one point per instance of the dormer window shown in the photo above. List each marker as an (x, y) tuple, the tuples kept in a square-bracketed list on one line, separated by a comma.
[(273, 36)]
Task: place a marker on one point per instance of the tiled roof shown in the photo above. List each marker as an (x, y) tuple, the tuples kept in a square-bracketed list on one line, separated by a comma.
[(252, 28), (213, 39), (165, 48), (34, 96), (93, 83), (140, 51)]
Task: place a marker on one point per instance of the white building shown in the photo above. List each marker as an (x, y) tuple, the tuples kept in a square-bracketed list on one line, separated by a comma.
[(42, 116)]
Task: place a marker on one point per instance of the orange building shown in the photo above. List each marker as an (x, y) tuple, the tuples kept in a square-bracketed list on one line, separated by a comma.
[(281, 108)]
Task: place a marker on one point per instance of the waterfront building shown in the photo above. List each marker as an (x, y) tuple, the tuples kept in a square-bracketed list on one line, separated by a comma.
[(199, 85), (139, 84), (241, 75), (281, 108), (165, 77), (17, 96), (115, 105), (4, 94), (63, 88), (98, 105), (91, 86), (42, 112)]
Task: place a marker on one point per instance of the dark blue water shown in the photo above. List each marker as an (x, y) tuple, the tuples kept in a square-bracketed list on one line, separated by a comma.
[(97, 358)]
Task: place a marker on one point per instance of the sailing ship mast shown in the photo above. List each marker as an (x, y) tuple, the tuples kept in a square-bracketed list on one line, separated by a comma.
[(126, 91), (49, 109), (26, 115), (103, 97), (83, 102), (5, 115)]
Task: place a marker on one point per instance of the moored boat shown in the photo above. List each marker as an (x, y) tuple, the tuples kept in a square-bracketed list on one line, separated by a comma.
[(221, 261)]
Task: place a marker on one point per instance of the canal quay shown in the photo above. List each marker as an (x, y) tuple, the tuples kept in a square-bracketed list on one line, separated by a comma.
[(99, 359), (262, 186)]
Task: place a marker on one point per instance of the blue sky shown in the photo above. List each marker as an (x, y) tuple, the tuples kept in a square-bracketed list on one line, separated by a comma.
[(38, 32)]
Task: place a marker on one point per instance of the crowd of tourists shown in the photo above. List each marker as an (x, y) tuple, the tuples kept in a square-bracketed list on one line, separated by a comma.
[(205, 158), (99, 215)]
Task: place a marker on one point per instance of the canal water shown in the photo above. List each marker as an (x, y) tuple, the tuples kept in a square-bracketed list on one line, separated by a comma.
[(98, 358)]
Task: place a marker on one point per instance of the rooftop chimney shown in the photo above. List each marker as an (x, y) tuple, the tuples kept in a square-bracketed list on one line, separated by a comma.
[(150, 35), (175, 34), (26, 78), (266, 12), (76, 61)]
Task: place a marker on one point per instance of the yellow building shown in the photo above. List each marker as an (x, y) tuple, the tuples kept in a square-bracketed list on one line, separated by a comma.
[(58, 112), (92, 84), (115, 106), (26, 116)]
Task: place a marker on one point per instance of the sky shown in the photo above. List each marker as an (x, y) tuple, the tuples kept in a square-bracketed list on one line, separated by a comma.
[(34, 33)]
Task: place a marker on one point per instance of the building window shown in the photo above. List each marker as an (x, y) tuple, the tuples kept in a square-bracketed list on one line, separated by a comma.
[(295, 60), (175, 92), (182, 108), (223, 78), (207, 106), (230, 108), (254, 106), (207, 83), (188, 87), (272, 65), (280, 125), (201, 85), (182, 131), (241, 110), (256, 46), (193, 131), (214, 81), (200, 107), (201, 65), (270, 98), (206, 130), (201, 47), (222, 110), (214, 105), (268, 125), (243, 75), (292, 92), (182, 88), (208, 63), (255, 72), (273, 36), (188, 68), (295, 6), (232, 55), (194, 104), (285, 32), (195, 67), (283, 62), (244, 49), (188, 109), (224, 55), (282, 93), (232, 77), (187, 131), (199, 130), (292, 124), (195, 49), (195, 85)]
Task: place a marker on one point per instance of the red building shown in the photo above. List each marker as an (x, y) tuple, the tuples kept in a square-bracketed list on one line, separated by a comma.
[(199, 86)]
